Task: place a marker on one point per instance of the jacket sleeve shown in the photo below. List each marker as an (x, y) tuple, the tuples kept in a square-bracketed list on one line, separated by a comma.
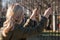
[(36, 27)]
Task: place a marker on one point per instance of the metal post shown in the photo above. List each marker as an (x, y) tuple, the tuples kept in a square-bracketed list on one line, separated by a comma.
[(54, 15), (53, 21)]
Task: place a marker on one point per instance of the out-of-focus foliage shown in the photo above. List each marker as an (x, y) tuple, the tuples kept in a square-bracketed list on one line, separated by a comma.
[(40, 4)]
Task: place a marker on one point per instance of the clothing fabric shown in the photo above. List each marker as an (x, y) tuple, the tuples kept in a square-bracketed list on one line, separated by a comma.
[(33, 26)]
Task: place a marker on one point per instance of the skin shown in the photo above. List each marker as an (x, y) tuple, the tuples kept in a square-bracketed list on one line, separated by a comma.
[(11, 17)]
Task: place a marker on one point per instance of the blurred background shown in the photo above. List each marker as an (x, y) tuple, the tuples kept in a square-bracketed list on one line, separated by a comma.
[(53, 24), (54, 19)]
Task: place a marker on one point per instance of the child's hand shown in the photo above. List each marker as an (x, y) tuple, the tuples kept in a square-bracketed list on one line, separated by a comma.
[(48, 12)]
